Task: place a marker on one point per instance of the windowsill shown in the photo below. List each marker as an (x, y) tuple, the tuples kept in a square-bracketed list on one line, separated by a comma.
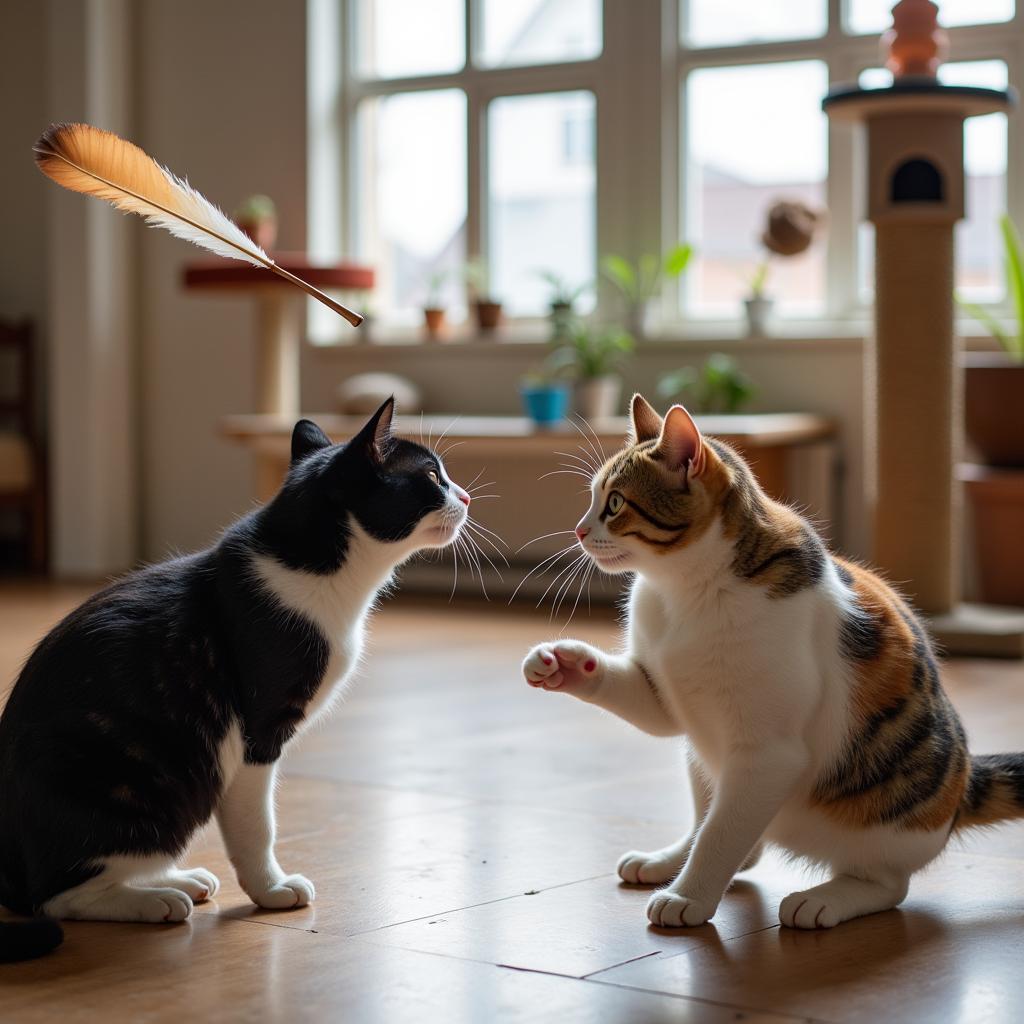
[(793, 336)]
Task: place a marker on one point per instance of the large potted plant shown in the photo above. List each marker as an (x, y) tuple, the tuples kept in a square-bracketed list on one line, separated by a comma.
[(994, 423), (994, 381), (638, 283), (593, 357)]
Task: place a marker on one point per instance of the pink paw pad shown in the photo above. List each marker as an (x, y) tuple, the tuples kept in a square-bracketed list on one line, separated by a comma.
[(590, 665)]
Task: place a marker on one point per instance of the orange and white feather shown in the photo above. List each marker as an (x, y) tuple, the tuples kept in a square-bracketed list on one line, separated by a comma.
[(99, 163)]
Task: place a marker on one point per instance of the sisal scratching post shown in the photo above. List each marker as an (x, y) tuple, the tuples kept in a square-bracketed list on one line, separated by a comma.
[(915, 179)]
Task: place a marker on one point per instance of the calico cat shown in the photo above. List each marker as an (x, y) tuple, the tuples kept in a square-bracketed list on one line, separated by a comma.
[(169, 697), (806, 686)]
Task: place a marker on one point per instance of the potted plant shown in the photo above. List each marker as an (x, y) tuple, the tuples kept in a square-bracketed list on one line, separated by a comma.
[(789, 231), (719, 386), (639, 283), (257, 217), (545, 393), (486, 306), (994, 381), (433, 307), (562, 302), (593, 356), (994, 423)]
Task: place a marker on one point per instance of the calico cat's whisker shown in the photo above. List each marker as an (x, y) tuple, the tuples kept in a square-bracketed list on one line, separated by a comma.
[(593, 433), (560, 593), (590, 445), (585, 463), (582, 577), (559, 577), (563, 472), (553, 559), (545, 536)]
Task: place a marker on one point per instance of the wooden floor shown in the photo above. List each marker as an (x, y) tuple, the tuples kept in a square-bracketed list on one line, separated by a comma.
[(462, 830)]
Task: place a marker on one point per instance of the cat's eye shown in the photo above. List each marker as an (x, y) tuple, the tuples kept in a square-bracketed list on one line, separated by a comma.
[(615, 502), (433, 476)]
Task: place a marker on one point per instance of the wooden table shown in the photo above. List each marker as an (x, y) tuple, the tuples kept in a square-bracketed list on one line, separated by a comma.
[(792, 454), (279, 314)]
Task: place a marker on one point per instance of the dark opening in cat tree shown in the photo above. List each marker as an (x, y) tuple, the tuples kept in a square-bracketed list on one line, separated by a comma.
[(917, 181)]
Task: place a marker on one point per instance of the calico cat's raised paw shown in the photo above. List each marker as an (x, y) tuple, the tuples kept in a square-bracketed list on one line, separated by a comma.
[(668, 909), (569, 665), (286, 893), (655, 868)]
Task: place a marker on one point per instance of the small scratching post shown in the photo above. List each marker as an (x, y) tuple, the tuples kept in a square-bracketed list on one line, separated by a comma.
[(915, 179)]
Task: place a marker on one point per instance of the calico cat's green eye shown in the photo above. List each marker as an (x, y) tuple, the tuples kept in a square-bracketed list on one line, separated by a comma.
[(433, 476), (615, 502)]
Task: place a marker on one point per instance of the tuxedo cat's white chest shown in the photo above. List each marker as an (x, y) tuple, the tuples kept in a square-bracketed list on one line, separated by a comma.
[(346, 648)]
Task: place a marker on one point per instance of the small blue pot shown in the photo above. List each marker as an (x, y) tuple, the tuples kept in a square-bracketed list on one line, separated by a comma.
[(545, 403)]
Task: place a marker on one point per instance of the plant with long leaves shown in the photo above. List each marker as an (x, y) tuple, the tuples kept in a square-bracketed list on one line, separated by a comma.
[(720, 386), (1013, 344), (640, 281)]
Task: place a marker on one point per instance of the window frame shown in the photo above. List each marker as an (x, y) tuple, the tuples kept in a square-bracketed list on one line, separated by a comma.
[(640, 148)]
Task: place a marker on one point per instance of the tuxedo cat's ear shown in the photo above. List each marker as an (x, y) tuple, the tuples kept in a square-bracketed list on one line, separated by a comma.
[(680, 444), (307, 438), (374, 437), (644, 422)]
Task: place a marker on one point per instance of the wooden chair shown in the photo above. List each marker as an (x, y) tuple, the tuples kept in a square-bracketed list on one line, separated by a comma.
[(22, 469)]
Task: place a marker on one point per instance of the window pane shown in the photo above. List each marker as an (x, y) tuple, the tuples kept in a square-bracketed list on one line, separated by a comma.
[(733, 177), (876, 15), (726, 22), (979, 274), (517, 32), (540, 195), (398, 38), (412, 189)]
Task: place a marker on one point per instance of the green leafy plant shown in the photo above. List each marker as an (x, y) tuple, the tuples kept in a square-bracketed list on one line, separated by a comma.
[(478, 277), (587, 353), (563, 294), (257, 207), (719, 386), (1013, 344), (640, 281), (435, 283), (554, 371)]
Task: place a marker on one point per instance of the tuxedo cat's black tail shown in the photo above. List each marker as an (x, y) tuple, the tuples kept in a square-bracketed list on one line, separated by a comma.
[(25, 940)]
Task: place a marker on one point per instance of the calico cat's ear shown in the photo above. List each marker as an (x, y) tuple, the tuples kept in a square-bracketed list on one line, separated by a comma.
[(680, 444), (373, 438), (307, 438), (645, 423)]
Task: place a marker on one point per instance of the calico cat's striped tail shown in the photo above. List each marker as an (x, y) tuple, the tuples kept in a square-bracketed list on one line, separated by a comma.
[(995, 790), (25, 940)]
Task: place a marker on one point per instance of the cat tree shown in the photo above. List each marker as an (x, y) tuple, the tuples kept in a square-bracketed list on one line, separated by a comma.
[(915, 195)]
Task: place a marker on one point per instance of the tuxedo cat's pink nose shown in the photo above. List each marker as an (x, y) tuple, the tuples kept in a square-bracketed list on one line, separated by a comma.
[(582, 531), (462, 495)]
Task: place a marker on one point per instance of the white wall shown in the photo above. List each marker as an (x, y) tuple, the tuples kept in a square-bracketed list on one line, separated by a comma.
[(221, 99)]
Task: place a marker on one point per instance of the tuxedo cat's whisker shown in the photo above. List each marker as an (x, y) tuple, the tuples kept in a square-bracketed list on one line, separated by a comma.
[(545, 536), (469, 487), (543, 567), (482, 537), (452, 445), (444, 433), (487, 558), (484, 529), (485, 497), (480, 487)]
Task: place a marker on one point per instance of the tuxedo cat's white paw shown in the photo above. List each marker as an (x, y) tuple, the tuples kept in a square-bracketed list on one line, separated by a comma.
[(285, 894), (668, 909), (571, 665), (654, 868), (808, 910), (198, 883)]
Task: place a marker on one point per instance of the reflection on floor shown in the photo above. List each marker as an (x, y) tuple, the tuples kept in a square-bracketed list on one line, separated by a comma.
[(461, 830)]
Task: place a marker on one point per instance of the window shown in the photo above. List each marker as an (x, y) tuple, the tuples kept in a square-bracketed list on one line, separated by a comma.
[(731, 178), (540, 195), (544, 135)]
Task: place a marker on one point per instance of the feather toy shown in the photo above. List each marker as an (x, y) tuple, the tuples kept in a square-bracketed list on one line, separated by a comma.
[(99, 163)]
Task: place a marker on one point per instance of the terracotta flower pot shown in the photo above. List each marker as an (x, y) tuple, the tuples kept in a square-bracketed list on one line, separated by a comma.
[(996, 501), (488, 315), (994, 407), (434, 320)]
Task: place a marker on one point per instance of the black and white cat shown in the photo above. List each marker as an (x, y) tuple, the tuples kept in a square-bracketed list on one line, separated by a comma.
[(169, 696)]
